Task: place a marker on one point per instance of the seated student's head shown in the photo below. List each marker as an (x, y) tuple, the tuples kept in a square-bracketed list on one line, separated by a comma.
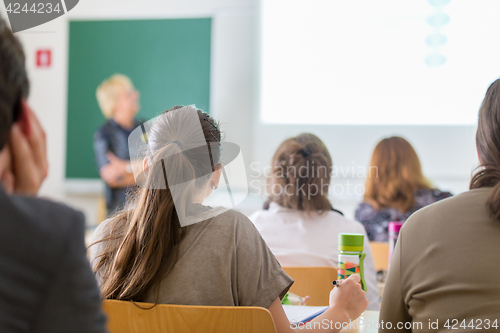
[(14, 89), (300, 174), (180, 172), (14, 84), (394, 175), (117, 97), (488, 147)]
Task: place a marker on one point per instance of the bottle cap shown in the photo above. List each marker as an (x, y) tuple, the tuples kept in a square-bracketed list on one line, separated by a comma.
[(351, 242), (394, 227)]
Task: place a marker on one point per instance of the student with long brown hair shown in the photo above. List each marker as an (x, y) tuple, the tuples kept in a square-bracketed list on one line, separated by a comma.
[(298, 221), (445, 267), (148, 253), (395, 188)]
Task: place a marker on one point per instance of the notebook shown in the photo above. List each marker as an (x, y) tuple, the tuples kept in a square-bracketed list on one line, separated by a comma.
[(302, 314)]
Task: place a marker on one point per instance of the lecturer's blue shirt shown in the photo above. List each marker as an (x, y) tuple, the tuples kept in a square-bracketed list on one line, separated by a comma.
[(113, 138)]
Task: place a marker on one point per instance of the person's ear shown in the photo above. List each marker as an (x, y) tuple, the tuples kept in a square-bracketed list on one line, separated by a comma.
[(215, 178), (24, 121), (145, 166)]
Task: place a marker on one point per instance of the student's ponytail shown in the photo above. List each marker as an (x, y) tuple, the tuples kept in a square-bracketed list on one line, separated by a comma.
[(141, 246), (488, 148), (300, 176)]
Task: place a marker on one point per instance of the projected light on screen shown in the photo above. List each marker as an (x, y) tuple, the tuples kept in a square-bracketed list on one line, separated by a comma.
[(377, 62)]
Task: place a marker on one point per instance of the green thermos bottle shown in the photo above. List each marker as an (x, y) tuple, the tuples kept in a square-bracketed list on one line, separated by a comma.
[(351, 257)]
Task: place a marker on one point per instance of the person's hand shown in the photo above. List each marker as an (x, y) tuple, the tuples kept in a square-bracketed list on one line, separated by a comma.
[(6, 176), (28, 148), (349, 298), (115, 171)]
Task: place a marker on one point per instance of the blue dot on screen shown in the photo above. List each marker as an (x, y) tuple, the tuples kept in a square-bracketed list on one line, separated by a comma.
[(436, 40), (435, 60), (438, 20), (438, 3)]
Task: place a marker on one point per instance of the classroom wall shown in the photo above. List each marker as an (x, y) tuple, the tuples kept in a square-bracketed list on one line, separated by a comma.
[(447, 153), (232, 76)]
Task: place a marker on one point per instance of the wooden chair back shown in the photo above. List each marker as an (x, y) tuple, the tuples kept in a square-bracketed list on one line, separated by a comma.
[(102, 210), (127, 317), (380, 251), (315, 282)]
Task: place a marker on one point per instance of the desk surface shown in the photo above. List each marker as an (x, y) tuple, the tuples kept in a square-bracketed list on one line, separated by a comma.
[(367, 323)]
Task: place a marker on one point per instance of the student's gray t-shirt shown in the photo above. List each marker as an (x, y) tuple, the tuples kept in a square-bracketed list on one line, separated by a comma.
[(222, 261)]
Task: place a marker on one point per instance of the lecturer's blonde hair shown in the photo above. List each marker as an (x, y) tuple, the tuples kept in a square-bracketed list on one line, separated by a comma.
[(109, 90)]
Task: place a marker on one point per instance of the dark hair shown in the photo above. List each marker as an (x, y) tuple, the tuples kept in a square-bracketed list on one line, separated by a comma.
[(303, 152), (14, 84), (488, 148), (142, 243)]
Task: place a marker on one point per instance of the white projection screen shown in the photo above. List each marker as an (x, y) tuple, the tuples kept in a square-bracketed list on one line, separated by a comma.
[(386, 62)]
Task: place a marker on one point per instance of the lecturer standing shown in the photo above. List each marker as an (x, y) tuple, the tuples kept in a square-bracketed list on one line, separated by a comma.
[(119, 103)]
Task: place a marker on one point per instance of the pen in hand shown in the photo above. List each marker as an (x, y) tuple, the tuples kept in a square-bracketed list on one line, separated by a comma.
[(336, 283)]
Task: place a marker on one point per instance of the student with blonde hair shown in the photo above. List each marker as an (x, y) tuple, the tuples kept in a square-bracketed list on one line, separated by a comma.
[(119, 103), (395, 188), (298, 221), (146, 253)]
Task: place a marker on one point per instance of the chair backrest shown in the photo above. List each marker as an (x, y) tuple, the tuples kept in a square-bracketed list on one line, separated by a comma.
[(102, 210), (315, 282), (380, 251), (127, 317)]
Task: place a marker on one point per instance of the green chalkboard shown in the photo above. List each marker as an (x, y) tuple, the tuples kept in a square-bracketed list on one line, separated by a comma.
[(167, 60)]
